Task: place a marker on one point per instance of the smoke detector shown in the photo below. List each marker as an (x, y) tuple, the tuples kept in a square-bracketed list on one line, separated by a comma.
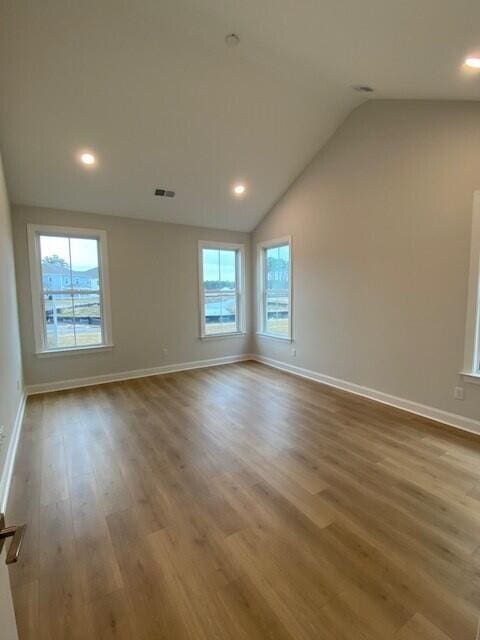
[(231, 40)]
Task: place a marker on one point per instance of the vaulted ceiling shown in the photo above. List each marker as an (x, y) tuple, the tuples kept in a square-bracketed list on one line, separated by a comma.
[(151, 88)]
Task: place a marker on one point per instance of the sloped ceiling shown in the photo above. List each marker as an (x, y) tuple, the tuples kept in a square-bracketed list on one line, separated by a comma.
[(151, 88)]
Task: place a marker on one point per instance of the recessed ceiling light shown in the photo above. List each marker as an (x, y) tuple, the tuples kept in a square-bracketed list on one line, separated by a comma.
[(239, 189), (88, 158), (474, 63)]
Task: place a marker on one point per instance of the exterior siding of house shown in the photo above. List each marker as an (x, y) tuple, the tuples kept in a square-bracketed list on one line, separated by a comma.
[(57, 278)]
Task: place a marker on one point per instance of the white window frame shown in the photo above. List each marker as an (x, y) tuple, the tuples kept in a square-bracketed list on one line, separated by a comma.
[(239, 291), (34, 232), (471, 364), (262, 293)]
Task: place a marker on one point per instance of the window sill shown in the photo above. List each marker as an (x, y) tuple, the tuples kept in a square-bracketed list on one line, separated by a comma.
[(233, 334), (73, 351), (471, 376), (272, 336)]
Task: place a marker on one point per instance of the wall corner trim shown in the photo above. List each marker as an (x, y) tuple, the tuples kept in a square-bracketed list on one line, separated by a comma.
[(7, 473), (437, 415), (130, 375)]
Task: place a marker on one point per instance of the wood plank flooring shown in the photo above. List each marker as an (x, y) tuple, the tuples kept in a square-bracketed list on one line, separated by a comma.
[(242, 503)]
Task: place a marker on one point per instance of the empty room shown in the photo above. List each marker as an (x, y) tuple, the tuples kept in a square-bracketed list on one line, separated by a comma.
[(239, 320)]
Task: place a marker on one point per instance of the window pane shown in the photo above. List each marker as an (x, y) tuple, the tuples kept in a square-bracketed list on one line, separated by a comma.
[(220, 313), (211, 269), (59, 321), (55, 258), (67, 264), (88, 319), (84, 253), (277, 313), (227, 270), (277, 267), (220, 288)]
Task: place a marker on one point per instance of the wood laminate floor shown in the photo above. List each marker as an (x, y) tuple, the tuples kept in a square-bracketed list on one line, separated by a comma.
[(242, 503)]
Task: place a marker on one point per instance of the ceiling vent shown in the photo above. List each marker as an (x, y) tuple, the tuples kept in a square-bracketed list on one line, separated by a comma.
[(363, 88), (164, 193)]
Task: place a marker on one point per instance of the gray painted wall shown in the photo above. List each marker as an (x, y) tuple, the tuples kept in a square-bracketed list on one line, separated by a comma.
[(11, 383), (154, 296), (381, 224)]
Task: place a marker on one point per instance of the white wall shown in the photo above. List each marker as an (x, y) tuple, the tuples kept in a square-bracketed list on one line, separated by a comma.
[(154, 296), (11, 383), (381, 224), (11, 386)]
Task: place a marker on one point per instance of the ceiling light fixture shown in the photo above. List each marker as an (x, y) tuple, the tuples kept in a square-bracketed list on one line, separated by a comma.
[(88, 158), (239, 189), (473, 63)]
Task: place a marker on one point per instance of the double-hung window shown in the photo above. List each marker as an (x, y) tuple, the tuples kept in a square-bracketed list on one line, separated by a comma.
[(222, 278), (275, 288), (471, 367), (68, 269)]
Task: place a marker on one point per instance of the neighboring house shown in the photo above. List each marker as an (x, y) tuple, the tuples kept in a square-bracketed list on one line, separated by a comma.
[(56, 278)]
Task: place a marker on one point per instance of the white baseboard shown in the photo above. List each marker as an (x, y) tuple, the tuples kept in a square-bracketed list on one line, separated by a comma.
[(130, 375), (438, 415), (7, 473)]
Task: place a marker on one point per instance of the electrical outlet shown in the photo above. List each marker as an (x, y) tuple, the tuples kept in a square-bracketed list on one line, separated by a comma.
[(294, 352), (2, 436), (18, 385), (165, 352), (459, 393)]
